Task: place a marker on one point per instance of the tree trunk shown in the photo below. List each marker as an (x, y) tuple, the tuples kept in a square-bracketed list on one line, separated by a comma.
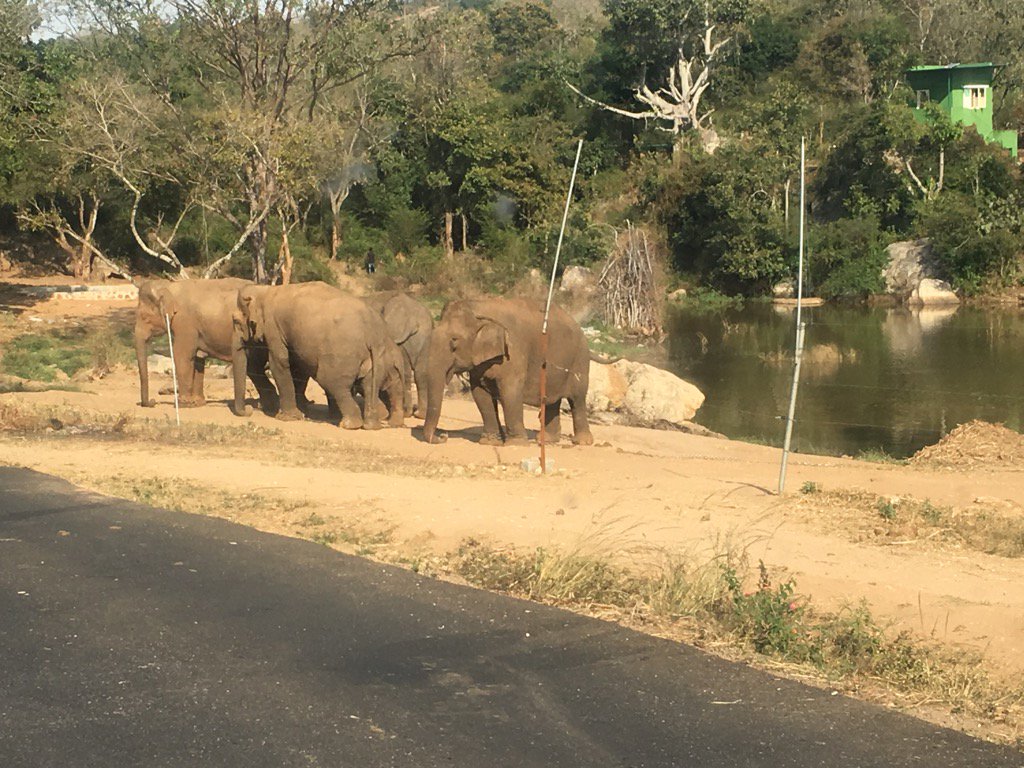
[(447, 241), (335, 236), (258, 246), (465, 232), (284, 258)]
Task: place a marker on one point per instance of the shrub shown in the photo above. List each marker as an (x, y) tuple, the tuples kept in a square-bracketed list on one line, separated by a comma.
[(846, 257)]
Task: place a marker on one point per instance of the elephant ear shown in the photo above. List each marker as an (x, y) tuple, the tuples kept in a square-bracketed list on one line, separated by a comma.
[(166, 303), (490, 342)]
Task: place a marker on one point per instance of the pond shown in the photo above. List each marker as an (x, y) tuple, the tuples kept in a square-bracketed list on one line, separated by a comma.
[(888, 379)]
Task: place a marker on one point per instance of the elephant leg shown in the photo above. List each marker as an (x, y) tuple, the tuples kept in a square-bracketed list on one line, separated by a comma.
[(333, 411), (285, 384), (420, 377), (256, 369), (580, 426), (553, 421), (301, 383), (340, 391), (371, 391), (199, 379), (512, 406), (407, 406), (185, 346), (487, 404)]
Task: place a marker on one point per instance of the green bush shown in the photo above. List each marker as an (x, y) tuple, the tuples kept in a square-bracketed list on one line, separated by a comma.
[(768, 617), (974, 238), (845, 258)]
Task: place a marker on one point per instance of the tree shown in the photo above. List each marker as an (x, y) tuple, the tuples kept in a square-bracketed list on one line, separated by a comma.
[(256, 95), (677, 105)]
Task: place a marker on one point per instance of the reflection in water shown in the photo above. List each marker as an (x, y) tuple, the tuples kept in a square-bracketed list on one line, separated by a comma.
[(894, 379)]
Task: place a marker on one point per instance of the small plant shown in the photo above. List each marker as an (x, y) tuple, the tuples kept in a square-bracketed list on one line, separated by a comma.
[(886, 509), (809, 487), (931, 513), (327, 538), (768, 617), (878, 456)]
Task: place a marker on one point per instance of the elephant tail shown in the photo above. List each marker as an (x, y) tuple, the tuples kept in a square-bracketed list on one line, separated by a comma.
[(604, 360)]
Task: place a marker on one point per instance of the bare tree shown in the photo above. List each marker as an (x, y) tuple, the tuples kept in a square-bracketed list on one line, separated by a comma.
[(678, 103)]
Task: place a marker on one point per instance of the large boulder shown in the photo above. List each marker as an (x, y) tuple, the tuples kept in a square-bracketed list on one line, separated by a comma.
[(908, 261), (642, 395), (932, 292)]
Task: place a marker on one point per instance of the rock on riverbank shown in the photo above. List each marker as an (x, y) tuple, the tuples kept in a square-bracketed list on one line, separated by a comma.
[(642, 395)]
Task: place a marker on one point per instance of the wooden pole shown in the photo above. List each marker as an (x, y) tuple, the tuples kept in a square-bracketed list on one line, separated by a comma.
[(547, 312), (174, 371)]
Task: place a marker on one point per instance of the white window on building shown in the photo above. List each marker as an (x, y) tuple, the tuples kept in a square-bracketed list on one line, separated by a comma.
[(923, 97), (975, 96)]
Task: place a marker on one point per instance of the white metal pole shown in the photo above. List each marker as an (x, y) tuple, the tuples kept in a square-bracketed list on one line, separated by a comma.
[(174, 371), (561, 235), (547, 310), (799, 347)]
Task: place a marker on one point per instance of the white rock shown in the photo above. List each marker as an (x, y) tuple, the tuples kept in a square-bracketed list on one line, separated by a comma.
[(644, 394), (159, 365), (576, 278), (785, 289), (932, 292)]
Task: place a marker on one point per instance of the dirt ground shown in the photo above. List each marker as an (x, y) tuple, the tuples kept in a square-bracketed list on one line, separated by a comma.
[(637, 493)]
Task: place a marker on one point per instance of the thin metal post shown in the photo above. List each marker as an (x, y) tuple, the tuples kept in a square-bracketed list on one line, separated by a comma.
[(547, 311), (799, 347), (174, 371)]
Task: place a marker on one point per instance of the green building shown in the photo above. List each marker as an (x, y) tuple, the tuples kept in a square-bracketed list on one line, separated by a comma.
[(964, 92)]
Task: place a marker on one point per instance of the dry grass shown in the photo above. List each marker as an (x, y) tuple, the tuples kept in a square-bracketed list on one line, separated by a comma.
[(710, 603), (986, 526), (297, 517)]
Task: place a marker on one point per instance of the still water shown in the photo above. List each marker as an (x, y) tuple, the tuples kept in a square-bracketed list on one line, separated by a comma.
[(872, 378)]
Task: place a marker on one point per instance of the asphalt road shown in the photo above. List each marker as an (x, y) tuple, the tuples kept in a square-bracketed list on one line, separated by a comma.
[(132, 636)]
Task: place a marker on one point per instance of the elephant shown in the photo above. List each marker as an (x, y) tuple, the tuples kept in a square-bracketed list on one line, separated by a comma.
[(409, 323), (311, 330), (200, 316), (498, 342)]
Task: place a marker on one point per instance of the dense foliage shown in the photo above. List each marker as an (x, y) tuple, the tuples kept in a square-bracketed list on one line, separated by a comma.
[(266, 138)]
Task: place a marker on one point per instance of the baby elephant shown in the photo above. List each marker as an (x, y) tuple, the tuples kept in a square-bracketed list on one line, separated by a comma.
[(314, 331)]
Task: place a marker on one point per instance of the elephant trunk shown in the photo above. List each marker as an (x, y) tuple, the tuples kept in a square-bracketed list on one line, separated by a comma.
[(439, 372), (142, 335), (239, 366)]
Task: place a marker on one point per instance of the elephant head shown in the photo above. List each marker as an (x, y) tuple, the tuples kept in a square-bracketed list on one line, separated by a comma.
[(156, 303), (249, 328), (460, 342)]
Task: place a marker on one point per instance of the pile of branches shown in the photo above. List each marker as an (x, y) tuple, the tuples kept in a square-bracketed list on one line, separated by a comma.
[(632, 298)]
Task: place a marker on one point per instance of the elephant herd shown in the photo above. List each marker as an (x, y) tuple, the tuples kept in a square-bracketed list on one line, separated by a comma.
[(370, 349)]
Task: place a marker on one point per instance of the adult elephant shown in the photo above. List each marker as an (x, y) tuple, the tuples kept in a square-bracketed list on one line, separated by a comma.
[(409, 323), (498, 342), (314, 331), (200, 316)]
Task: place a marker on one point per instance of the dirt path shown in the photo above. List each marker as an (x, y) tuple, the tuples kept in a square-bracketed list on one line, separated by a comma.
[(639, 494)]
